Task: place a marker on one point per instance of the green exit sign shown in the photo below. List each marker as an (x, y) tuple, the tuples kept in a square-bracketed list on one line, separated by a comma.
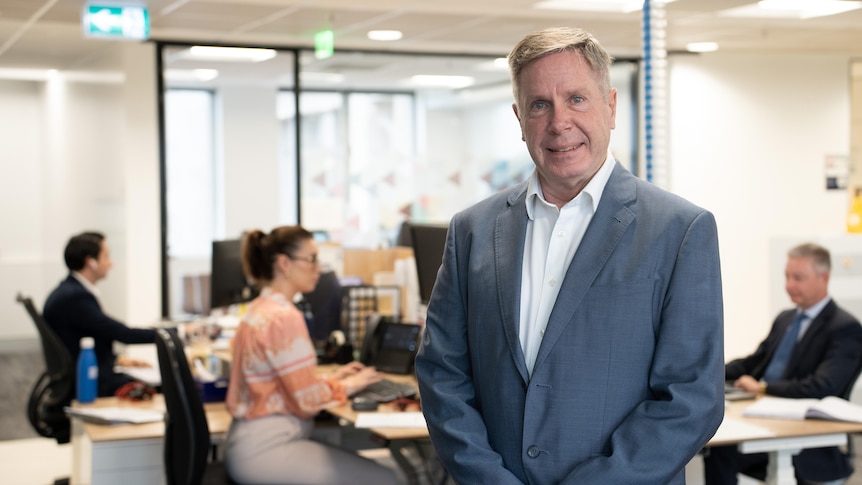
[(324, 44), (116, 21)]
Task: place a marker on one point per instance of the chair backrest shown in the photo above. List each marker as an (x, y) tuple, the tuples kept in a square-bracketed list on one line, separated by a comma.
[(187, 437), (58, 360), (55, 387)]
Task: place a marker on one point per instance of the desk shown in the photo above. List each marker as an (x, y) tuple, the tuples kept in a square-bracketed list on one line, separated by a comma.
[(398, 440), (788, 438), (128, 454)]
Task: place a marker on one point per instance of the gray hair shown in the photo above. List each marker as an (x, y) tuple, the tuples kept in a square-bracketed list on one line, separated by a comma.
[(558, 39), (818, 255)]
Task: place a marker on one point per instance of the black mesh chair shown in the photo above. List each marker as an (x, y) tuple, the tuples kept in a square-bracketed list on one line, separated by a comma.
[(55, 388), (187, 436)]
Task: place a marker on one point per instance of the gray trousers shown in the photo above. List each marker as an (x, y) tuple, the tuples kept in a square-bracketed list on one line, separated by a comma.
[(278, 450)]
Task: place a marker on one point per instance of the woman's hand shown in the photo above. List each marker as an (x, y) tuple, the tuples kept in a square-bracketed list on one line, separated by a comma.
[(347, 370), (361, 379)]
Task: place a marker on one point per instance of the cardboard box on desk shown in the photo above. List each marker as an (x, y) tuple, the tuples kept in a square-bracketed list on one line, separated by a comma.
[(212, 391)]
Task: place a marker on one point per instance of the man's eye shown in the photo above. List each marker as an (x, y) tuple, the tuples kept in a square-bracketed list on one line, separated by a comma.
[(577, 99), (539, 105)]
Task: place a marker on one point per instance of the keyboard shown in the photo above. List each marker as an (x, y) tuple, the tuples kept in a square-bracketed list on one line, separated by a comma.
[(387, 390), (732, 393)]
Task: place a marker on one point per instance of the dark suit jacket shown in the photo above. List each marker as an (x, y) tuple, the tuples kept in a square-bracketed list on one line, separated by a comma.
[(73, 312), (824, 362), (627, 385)]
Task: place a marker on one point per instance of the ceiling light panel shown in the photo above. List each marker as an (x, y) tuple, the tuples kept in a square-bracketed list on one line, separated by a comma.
[(792, 9)]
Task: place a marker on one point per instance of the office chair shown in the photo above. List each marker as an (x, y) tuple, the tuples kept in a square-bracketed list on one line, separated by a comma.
[(187, 436), (53, 389), (325, 306)]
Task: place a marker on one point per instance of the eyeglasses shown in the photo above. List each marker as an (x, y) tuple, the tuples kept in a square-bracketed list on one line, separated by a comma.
[(309, 259)]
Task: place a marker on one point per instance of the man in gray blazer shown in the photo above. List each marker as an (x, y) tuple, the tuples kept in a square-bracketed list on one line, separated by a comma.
[(574, 334)]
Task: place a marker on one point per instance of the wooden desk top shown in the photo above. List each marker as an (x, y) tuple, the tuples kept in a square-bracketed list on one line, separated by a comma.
[(218, 420), (345, 412), (783, 428)]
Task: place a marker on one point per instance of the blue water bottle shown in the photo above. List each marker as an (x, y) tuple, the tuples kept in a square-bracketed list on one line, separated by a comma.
[(88, 372)]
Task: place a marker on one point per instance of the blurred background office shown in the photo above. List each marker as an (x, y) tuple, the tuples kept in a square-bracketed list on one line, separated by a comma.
[(166, 152)]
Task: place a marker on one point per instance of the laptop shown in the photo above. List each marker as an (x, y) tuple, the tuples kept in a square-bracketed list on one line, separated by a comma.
[(732, 393)]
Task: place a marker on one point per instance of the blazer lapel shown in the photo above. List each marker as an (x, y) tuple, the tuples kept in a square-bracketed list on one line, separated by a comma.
[(510, 227), (611, 220)]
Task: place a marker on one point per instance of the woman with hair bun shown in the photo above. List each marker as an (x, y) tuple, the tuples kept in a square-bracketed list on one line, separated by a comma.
[(275, 390)]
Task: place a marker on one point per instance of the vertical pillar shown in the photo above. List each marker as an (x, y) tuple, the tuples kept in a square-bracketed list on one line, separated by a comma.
[(655, 93)]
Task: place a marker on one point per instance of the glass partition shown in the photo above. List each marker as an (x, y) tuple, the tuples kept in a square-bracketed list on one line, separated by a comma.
[(379, 138)]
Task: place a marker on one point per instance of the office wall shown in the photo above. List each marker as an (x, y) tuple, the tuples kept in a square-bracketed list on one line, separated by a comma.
[(250, 165), (749, 134), (748, 137), (76, 156)]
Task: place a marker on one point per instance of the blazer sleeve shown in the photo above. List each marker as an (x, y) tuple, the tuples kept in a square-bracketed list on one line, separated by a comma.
[(94, 322), (443, 371), (686, 406)]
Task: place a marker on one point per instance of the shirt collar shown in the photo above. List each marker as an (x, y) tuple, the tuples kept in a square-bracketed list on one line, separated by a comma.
[(814, 310), (86, 283), (593, 189)]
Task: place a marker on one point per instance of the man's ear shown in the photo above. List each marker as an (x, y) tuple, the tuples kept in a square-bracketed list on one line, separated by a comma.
[(94, 265)]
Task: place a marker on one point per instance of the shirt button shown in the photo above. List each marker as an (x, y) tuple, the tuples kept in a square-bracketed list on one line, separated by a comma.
[(533, 451), (561, 234), (552, 283)]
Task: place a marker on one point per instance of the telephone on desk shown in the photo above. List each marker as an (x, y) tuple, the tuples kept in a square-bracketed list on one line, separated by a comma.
[(389, 346)]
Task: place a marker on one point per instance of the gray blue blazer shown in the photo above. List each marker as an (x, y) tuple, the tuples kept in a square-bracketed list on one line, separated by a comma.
[(628, 382)]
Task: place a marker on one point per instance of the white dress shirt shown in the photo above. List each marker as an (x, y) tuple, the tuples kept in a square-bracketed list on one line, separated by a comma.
[(810, 314), (553, 235)]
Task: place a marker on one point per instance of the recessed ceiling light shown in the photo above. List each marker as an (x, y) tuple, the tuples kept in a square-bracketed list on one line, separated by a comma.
[(792, 9), (385, 35), (438, 81), (104, 77), (619, 6), (702, 46), (229, 54)]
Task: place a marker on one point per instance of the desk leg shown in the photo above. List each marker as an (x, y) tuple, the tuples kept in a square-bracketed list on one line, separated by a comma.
[(780, 471), (397, 448), (82, 454)]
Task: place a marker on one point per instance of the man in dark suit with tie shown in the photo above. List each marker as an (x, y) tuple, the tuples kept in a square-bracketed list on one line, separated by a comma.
[(812, 351), (73, 311)]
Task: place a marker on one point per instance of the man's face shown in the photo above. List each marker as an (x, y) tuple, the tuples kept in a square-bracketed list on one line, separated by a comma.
[(566, 121), (103, 262), (804, 285)]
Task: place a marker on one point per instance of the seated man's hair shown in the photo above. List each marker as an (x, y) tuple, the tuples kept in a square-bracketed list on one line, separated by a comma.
[(80, 247)]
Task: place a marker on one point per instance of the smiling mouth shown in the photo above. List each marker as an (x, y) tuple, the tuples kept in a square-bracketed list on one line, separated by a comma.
[(563, 149)]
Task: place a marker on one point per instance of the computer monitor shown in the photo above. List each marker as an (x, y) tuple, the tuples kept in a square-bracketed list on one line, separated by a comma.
[(428, 241), (228, 284)]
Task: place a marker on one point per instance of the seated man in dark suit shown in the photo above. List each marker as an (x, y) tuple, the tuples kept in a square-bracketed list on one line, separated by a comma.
[(820, 358), (72, 310)]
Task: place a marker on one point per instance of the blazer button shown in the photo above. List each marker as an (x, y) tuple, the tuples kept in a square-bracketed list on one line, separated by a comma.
[(533, 451)]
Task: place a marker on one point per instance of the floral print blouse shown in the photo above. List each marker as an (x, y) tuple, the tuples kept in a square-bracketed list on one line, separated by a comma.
[(274, 364)]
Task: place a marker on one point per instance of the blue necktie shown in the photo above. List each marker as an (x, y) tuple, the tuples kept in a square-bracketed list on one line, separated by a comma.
[(776, 366)]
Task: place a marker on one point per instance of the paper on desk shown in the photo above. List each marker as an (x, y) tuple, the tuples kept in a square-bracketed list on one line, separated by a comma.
[(735, 430), (147, 375), (115, 415), (391, 420)]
